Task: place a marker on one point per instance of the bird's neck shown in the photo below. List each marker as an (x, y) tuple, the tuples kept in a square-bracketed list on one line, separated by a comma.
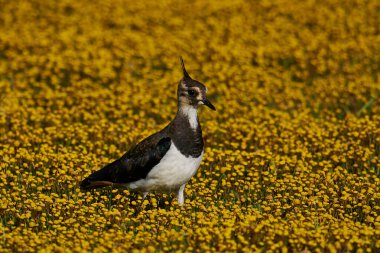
[(186, 132), (190, 114)]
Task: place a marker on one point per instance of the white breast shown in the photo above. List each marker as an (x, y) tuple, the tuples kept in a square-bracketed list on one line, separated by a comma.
[(173, 171)]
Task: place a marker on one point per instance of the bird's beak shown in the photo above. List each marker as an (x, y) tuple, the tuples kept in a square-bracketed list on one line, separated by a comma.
[(208, 104)]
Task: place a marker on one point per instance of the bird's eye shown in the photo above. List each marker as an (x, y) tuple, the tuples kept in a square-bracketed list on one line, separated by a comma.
[(191, 92)]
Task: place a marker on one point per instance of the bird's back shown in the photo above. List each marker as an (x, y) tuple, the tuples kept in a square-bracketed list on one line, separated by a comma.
[(133, 165)]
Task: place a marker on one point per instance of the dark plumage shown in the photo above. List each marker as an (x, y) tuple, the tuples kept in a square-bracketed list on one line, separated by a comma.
[(132, 166), (174, 152)]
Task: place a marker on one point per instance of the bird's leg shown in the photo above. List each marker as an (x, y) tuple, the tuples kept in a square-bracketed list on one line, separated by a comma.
[(180, 195)]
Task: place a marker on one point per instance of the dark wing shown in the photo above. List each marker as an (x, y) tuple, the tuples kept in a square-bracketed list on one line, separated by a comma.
[(132, 166)]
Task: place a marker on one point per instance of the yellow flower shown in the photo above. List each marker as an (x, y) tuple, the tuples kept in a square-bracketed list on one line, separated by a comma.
[(291, 156)]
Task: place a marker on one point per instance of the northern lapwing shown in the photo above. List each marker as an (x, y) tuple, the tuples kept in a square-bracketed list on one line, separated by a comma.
[(166, 160)]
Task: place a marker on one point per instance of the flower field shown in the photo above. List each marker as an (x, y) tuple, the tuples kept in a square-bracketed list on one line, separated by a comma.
[(292, 158)]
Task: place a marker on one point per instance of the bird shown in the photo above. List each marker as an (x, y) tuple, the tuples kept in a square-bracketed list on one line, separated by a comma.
[(166, 160)]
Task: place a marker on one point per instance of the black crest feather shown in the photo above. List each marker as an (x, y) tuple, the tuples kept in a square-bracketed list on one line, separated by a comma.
[(185, 74)]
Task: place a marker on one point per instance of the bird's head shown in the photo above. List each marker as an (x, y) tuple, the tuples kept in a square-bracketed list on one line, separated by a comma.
[(191, 92)]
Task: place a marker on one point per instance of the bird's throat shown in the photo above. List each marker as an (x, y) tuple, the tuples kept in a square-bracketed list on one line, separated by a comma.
[(191, 114)]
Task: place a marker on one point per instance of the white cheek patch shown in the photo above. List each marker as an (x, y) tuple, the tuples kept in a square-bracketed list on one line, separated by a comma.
[(197, 90), (199, 96)]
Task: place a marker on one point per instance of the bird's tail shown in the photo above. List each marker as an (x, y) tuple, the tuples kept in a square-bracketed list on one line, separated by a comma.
[(100, 178), (88, 183)]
